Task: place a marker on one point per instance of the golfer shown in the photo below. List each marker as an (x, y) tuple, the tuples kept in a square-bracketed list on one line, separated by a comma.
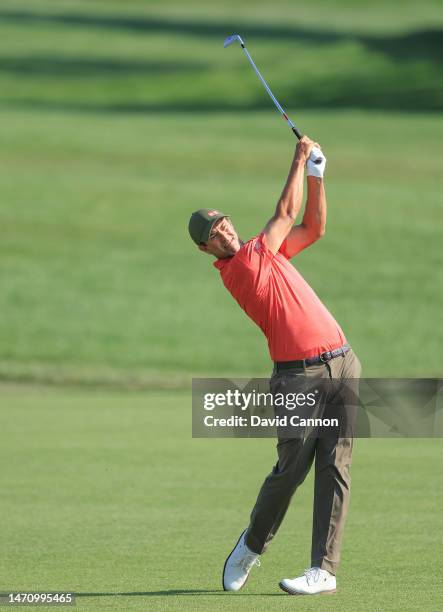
[(304, 340)]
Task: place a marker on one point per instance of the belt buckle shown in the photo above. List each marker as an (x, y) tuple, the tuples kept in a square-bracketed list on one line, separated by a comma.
[(322, 357)]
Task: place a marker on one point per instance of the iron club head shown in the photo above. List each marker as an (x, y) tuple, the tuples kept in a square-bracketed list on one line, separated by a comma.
[(236, 38), (230, 39)]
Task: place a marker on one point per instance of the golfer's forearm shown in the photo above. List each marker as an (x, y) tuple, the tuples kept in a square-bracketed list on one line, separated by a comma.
[(290, 200), (314, 218)]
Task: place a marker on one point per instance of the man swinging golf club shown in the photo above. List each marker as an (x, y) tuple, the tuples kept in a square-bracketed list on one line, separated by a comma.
[(303, 339)]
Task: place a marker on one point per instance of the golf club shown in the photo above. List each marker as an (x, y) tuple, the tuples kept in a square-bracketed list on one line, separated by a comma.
[(235, 37)]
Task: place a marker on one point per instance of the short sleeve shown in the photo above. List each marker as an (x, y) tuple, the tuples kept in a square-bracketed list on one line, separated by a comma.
[(283, 250)]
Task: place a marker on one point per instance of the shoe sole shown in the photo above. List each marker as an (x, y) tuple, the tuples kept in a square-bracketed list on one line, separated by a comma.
[(227, 559), (289, 592)]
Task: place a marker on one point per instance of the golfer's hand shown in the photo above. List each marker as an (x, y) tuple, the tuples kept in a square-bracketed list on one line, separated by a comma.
[(304, 148), (313, 156), (316, 164)]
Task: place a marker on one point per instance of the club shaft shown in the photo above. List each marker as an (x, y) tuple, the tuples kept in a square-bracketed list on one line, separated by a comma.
[(271, 95)]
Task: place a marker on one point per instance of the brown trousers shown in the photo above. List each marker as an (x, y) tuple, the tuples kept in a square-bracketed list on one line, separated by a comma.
[(332, 474)]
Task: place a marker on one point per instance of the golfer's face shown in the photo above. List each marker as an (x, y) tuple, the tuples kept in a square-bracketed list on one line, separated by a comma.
[(223, 240)]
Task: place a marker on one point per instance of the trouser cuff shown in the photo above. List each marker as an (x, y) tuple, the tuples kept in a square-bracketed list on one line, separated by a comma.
[(254, 544), (325, 564)]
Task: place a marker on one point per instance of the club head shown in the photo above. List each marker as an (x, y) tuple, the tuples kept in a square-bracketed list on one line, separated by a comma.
[(233, 38)]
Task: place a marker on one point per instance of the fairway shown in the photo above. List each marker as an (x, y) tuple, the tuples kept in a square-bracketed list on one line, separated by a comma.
[(108, 496), (119, 119)]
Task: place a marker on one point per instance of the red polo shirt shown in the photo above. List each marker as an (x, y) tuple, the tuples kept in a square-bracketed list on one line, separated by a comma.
[(278, 299)]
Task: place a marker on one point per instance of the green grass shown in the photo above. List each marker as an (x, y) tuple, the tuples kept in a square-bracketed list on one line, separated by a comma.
[(118, 122), (100, 275), (142, 56), (109, 496)]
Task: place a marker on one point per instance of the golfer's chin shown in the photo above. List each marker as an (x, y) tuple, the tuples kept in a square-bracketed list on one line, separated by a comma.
[(231, 249)]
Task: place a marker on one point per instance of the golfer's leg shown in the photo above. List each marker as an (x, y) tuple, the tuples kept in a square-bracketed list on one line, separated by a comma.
[(332, 469), (331, 501), (294, 461)]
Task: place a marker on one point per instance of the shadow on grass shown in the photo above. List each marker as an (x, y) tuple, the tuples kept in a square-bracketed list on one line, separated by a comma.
[(423, 44), (175, 592), (123, 108), (46, 65), (405, 86)]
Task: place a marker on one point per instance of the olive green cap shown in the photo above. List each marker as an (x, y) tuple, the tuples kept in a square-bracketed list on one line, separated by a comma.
[(201, 222)]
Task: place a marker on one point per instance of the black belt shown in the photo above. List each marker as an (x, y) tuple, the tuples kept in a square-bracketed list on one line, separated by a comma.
[(323, 358)]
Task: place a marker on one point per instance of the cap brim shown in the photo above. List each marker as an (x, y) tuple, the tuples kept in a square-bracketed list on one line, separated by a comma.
[(206, 232)]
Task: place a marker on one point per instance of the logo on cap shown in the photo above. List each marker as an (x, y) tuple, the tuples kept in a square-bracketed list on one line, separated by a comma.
[(212, 213)]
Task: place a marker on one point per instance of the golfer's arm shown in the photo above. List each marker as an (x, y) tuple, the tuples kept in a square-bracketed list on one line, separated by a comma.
[(288, 206), (314, 219), (313, 224)]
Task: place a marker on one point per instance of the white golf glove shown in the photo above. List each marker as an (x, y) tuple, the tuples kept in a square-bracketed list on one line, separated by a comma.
[(313, 169)]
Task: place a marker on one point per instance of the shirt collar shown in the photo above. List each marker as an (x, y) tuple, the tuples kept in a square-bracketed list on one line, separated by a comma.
[(221, 263)]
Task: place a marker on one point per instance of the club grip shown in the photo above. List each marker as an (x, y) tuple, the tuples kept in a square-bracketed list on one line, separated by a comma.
[(297, 133)]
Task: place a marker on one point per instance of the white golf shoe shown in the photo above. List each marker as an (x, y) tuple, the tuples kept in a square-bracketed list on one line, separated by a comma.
[(314, 581), (238, 565)]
